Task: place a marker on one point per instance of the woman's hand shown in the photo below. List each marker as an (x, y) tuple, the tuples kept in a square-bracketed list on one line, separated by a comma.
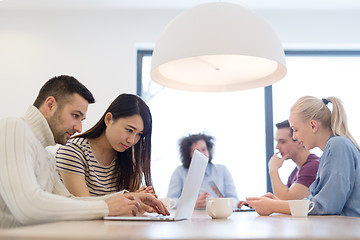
[(149, 203), (147, 189), (241, 203), (270, 195), (265, 206), (262, 205), (201, 200), (134, 204), (267, 195)]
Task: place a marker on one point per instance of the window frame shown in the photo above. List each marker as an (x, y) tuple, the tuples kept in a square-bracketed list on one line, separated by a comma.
[(268, 93)]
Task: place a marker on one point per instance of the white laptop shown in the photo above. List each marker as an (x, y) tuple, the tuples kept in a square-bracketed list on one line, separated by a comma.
[(186, 203)]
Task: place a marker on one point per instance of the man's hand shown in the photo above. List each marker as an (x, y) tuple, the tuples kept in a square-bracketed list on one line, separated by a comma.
[(123, 205), (275, 162)]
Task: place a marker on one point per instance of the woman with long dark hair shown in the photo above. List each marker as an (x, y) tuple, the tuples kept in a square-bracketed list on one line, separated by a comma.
[(113, 155)]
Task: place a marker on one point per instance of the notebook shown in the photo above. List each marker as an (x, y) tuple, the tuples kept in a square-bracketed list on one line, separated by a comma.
[(186, 203)]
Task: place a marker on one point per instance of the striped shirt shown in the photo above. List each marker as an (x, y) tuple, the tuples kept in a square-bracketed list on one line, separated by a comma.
[(77, 157)]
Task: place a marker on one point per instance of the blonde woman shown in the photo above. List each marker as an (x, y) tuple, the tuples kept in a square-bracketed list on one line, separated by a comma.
[(336, 190)]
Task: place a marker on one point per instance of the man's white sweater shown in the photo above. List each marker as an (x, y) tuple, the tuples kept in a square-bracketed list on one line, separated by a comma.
[(30, 188)]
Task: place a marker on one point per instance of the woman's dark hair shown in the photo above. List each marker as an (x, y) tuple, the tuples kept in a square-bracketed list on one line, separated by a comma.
[(185, 144), (132, 166)]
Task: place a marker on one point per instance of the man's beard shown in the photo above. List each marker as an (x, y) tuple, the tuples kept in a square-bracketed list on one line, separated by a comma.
[(60, 134)]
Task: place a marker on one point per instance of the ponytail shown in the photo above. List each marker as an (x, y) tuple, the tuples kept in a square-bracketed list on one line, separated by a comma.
[(310, 108), (339, 125)]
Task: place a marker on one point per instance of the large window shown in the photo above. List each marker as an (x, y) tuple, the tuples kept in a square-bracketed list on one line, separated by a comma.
[(237, 120), (320, 74)]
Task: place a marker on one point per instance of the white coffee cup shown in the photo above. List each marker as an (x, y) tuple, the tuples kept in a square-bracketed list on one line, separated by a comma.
[(219, 207), (169, 203), (300, 208)]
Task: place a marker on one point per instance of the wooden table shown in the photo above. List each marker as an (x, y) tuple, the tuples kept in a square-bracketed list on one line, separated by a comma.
[(241, 225)]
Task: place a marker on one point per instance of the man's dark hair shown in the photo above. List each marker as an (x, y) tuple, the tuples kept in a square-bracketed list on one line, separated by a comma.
[(61, 87), (285, 124), (185, 144)]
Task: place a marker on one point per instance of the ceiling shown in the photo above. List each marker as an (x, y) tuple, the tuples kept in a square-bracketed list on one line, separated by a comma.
[(179, 4)]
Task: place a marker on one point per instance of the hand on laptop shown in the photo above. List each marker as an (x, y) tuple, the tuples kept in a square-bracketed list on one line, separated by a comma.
[(134, 204), (149, 203), (242, 203), (147, 189), (270, 195), (262, 205), (122, 204)]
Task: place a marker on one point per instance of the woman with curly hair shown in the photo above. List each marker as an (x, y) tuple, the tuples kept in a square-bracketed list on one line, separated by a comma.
[(216, 173)]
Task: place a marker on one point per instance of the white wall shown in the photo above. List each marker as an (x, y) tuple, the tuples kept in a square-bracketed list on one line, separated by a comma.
[(317, 29), (98, 47)]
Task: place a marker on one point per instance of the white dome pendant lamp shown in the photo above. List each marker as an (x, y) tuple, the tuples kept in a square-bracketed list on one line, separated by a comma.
[(217, 47)]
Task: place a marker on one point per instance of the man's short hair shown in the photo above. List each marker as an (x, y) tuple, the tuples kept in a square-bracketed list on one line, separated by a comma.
[(61, 87), (285, 124)]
